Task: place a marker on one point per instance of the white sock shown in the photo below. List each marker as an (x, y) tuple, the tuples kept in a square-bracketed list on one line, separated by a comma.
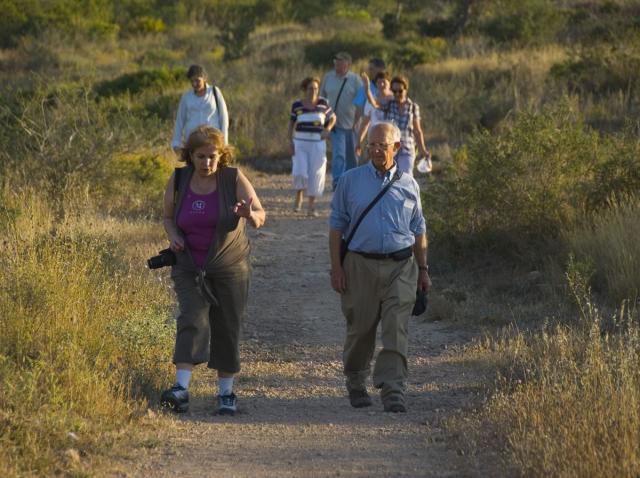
[(183, 376), (225, 386)]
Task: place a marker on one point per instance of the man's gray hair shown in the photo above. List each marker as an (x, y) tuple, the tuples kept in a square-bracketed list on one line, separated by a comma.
[(395, 131)]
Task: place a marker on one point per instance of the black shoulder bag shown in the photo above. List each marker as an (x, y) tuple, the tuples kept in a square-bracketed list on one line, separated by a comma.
[(335, 108), (344, 245)]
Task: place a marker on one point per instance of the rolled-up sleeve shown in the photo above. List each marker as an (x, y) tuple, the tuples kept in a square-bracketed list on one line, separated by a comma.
[(339, 218)]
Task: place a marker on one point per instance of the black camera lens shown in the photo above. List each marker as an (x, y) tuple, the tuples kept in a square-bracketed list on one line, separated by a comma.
[(166, 257)]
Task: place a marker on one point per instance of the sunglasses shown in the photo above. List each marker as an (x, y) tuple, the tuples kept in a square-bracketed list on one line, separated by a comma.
[(397, 92)]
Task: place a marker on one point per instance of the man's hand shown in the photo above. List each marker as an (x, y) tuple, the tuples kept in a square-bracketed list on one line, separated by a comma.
[(338, 280), (424, 281)]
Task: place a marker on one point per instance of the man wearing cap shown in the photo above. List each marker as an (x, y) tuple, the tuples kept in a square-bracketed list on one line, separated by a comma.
[(204, 105), (340, 86), (386, 262)]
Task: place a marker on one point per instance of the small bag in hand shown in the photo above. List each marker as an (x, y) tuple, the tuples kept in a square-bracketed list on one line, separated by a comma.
[(420, 305)]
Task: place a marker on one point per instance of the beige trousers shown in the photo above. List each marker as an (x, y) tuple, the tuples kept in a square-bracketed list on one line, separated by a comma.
[(378, 292)]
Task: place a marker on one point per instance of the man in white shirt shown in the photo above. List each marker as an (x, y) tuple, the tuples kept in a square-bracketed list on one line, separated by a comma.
[(204, 105)]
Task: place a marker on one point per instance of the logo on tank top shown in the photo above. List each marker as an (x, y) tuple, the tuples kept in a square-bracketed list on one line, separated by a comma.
[(198, 205)]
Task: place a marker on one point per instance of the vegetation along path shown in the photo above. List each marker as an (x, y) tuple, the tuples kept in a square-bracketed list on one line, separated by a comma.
[(294, 418)]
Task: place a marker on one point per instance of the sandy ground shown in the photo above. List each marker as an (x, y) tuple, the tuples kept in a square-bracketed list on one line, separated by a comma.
[(294, 417)]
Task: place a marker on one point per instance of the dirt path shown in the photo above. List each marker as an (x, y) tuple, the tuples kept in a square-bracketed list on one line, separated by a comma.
[(294, 418)]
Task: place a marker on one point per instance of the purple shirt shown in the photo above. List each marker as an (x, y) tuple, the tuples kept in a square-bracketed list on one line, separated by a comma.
[(197, 219)]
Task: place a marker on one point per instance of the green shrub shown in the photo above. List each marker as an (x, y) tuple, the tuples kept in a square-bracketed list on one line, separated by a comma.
[(618, 177), (156, 79), (514, 188), (602, 70), (524, 22), (409, 54), (359, 45)]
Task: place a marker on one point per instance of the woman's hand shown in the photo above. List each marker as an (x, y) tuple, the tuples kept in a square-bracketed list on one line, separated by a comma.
[(359, 150), (176, 243), (243, 208)]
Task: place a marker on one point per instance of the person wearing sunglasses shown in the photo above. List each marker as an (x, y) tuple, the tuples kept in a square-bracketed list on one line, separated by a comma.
[(373, 115), (404, 113)]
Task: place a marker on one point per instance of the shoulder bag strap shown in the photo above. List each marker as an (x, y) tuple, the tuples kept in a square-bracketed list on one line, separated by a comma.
[(215, 98), (176, 183), (396, 176), (335, 108)]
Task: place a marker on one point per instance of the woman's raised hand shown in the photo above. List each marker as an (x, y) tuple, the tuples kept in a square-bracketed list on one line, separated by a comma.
[(243, 208), (365, 79)]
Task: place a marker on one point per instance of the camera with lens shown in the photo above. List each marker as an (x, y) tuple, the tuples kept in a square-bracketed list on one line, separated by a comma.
[(165, 258)]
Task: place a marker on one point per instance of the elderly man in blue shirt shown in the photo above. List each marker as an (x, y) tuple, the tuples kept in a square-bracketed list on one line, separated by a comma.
[(387, 258)]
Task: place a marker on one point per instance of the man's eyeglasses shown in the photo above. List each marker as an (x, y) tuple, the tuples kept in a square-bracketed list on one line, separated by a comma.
[(379, 146), (398, 91)]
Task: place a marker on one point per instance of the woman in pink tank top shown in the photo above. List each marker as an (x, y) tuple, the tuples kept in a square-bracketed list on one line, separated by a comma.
[(205, 212)]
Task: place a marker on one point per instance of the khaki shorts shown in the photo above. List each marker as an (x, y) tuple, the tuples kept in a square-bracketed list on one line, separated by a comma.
[(211, 333)]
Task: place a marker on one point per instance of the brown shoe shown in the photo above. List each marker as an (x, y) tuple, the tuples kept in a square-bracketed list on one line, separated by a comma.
[(359, 399), (394, 403)]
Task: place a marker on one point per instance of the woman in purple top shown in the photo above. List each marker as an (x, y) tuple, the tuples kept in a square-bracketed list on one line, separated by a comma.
[(206, 207)]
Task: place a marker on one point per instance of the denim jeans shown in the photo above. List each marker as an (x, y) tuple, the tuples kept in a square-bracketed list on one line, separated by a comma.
[(343, 155), (405, 162)]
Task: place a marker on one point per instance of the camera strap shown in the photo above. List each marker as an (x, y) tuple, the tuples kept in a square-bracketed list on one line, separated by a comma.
[(205, 290)]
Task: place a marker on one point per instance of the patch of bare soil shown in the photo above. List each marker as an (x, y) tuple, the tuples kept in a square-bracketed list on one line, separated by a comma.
[(294, 417)]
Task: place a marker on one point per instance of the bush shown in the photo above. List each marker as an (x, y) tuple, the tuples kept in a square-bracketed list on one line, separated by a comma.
[(617, 178), (136, 181), (156, 79), (525, 22), (410, 54), (602, 70), (516, 187), (359, 45)]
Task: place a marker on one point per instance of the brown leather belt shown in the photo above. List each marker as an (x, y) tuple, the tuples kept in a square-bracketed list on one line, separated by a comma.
[(400, 255)]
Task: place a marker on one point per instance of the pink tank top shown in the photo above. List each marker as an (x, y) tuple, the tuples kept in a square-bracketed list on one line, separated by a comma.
[(198, 218)]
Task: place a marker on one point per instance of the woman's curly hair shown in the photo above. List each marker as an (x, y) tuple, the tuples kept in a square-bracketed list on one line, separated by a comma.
[(204, 135)]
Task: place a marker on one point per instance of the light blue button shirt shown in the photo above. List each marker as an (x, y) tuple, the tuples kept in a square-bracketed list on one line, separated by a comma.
[(393, 222), (361, 97)]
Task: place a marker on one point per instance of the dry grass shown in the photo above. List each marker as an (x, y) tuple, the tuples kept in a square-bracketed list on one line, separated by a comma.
[(610, 245), (568, 401), (82, 335)]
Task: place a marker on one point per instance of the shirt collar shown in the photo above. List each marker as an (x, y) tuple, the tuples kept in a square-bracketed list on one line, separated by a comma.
[(387, 175)]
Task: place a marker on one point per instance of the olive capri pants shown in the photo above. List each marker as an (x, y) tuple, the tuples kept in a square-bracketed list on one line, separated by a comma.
[(211, 333)]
